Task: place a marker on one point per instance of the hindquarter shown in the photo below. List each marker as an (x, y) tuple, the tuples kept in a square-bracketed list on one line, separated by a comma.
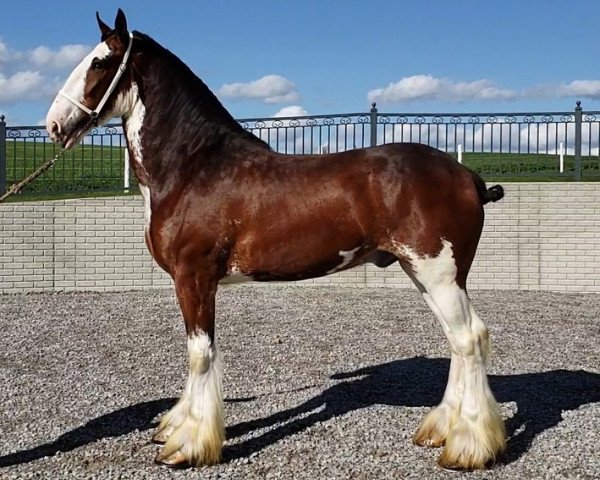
[(438, 206)]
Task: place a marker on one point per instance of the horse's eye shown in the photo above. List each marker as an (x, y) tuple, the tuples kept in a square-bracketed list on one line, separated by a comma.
[(96, 64)]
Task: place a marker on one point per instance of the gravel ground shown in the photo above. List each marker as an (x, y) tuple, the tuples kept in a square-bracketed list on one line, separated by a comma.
[(320, 383)]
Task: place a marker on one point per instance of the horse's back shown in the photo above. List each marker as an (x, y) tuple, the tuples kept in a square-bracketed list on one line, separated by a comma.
[(410, 177)]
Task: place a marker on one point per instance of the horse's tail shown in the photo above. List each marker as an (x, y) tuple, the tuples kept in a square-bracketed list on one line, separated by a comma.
[(486, 195)]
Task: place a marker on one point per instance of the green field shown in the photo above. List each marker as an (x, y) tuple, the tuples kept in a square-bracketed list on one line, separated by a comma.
[(85, 169), (530, 167), (96, 170)]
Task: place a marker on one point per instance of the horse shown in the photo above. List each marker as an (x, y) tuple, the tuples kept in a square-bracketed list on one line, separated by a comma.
[(222, 207)]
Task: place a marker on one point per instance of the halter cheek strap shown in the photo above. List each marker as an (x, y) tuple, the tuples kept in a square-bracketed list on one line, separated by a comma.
[(96, 112)]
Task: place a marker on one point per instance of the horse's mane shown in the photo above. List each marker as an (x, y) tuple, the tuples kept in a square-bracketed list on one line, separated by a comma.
[(187, 103)]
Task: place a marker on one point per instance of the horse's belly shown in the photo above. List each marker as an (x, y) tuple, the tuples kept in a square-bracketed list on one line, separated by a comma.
[(234, 279), (296, 266), (299, 244)]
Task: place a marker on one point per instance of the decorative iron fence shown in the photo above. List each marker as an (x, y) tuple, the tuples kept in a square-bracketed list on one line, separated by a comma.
[(97, 164), (510, 146), (515, 146), (315, 134)]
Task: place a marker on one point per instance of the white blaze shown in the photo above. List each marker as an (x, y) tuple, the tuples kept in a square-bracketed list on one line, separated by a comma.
[(62, 111)]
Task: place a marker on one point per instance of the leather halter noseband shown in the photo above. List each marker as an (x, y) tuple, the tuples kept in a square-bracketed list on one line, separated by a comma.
[(96, 112)]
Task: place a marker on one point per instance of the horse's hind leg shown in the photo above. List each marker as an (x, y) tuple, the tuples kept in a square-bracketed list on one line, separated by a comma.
[(193, 431), (467, 420)]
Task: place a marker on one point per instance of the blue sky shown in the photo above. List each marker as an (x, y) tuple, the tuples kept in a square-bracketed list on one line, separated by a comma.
[(264, 58)]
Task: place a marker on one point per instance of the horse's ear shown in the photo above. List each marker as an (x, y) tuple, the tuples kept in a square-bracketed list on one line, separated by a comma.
[(104, 28), (121, 23)]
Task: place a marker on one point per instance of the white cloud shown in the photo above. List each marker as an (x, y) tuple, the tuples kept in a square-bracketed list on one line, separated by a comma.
[(4, 52), (427, 87), (65, 57), (35, 74), (268, 89), (291, 111), (577, 88), (7, 55), (25, 85)]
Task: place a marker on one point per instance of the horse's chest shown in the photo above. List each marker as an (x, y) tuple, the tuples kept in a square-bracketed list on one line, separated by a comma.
[(145, 191), (147, 206)]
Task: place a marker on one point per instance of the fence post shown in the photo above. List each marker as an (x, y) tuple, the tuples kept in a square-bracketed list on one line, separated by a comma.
[(578, 142), (126, 172), (2, 155), (373, 124)]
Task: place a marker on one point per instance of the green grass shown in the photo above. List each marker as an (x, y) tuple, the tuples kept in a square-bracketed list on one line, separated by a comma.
[(83, 169), (530, 167), (98, 170)]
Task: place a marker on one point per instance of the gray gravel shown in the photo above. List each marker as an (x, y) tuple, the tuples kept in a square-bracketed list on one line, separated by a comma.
[(311, 391)]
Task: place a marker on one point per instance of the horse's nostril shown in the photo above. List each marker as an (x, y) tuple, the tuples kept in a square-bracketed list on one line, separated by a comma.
[(55, 128)]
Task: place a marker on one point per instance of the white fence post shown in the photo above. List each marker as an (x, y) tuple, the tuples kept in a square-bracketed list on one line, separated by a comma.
[(126, 172), (460, 152), (561, 153)]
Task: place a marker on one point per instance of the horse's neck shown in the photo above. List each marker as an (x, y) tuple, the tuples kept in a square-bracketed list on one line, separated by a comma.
[(174, 117), (177, 100), (160, 140)]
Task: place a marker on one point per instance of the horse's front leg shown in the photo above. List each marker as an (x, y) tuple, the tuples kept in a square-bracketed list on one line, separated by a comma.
[(193, 431)]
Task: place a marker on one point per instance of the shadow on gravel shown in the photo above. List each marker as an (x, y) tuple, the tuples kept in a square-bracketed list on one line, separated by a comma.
[(120, 422), (114, 424), (416, 382)]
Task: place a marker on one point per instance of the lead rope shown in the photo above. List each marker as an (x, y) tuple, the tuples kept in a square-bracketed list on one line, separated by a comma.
[(17, 187)]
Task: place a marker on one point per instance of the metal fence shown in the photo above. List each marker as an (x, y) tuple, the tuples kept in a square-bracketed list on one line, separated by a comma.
[(510, 146), (97, 164)]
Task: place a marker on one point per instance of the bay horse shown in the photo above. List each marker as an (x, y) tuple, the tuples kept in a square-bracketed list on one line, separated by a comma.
[(222, 207)]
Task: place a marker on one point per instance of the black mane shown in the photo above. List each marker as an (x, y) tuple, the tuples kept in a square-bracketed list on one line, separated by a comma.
[(185, 103)]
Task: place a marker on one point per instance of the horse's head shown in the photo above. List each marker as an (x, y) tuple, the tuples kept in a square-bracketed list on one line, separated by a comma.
[(96, 89)]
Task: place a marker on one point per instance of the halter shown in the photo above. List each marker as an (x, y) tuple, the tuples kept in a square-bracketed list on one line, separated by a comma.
[(96, 112)]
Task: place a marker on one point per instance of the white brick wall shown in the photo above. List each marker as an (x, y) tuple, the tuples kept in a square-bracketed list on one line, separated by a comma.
[(542, 236), (84, 244)]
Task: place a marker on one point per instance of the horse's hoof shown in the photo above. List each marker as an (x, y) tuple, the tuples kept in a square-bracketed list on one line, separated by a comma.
[(176, 460), (453, 467), (430, 442), (162, 435), (450, 464), (429, 436)]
